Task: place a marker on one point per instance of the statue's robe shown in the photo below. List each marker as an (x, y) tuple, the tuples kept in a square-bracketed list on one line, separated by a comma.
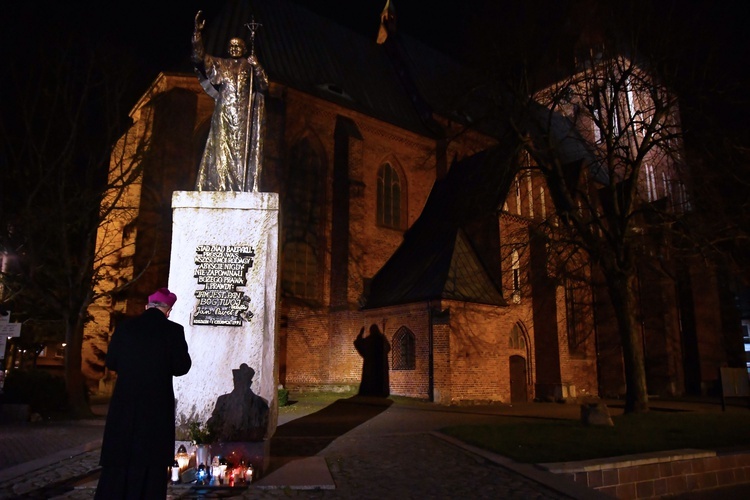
[(232, 157)]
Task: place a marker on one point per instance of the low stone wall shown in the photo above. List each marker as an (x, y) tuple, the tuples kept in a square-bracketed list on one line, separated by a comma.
[(654, 475)]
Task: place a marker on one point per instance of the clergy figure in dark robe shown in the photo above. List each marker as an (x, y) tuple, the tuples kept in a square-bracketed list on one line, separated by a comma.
[(139, 436), (232, 157)]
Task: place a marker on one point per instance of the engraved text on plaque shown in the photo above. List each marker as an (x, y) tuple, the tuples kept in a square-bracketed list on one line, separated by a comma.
[(221, 269)]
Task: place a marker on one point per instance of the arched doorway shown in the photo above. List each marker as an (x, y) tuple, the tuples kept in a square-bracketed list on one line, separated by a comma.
[(518, 388)]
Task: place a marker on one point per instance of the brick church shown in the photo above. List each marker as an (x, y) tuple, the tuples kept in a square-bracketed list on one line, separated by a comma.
[(398, 220)]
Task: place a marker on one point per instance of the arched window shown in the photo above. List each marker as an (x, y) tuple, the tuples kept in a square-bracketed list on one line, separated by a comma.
[(530, 193), (403, 350), (650, 182), (516, 340), (301, 211), (596, 121), (389, 197), (515, 264), (300, 271), (575, 317)]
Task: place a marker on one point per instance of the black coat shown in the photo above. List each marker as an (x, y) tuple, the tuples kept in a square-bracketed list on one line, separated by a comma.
[(146, 352)]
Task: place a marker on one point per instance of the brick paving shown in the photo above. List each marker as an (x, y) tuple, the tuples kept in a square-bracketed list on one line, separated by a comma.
[(21, 443), (422, 467), (372, 451)]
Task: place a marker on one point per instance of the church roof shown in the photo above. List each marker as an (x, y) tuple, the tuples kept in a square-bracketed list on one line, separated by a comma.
[(316, 55), (437, 260)]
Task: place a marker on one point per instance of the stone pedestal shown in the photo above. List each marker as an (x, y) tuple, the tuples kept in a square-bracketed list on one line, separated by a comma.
[(224, 270)]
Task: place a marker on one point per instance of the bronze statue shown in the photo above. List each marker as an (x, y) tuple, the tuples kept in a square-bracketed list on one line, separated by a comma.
[(232, 157)]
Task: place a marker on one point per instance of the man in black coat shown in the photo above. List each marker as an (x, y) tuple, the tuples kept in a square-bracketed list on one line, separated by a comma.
[(138, 444)]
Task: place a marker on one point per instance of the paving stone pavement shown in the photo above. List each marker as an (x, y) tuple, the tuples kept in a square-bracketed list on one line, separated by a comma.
[(40, 483), (419, 466), (372, 451), (25, 442), (405, 466)]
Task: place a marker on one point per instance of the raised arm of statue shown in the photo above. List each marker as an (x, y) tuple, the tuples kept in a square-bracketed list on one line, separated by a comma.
[(199, 52)]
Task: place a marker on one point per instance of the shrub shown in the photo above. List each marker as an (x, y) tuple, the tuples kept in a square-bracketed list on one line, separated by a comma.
[(199, 433), (283, 396)]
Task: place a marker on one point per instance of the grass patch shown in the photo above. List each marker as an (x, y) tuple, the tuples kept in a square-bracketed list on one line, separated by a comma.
[(312, 401), (539, 441)]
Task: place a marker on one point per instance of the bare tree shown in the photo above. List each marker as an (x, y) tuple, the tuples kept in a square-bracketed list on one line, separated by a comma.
[(609, 141), (605, 134), (58, 185), (629, 129)]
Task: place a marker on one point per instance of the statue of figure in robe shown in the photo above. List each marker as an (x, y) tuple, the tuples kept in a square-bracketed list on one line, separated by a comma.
[(232, 157)]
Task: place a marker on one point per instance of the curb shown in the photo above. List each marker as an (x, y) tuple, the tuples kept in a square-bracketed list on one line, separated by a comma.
[(529, 471), (39, 463)]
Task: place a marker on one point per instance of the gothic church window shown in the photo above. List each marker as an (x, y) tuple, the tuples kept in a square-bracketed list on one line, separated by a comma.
[(530, 193), (682, 197), (403, 350), (576, 317), (515, 264), (517, 189), (516, 340), (390, 197), (650, 182), (300, 271), (301, 209), (596, 121), (614, 120)]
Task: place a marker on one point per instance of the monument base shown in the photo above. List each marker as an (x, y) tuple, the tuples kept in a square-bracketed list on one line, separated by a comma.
[(224, 269)]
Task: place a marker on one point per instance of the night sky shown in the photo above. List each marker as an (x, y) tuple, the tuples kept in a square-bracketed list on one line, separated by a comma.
[(156, 34)]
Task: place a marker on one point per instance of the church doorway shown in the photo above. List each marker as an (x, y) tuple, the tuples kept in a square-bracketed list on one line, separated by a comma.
[(518, 386)]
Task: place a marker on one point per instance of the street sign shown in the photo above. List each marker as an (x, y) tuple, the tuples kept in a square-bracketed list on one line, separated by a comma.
[(10, 330)]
